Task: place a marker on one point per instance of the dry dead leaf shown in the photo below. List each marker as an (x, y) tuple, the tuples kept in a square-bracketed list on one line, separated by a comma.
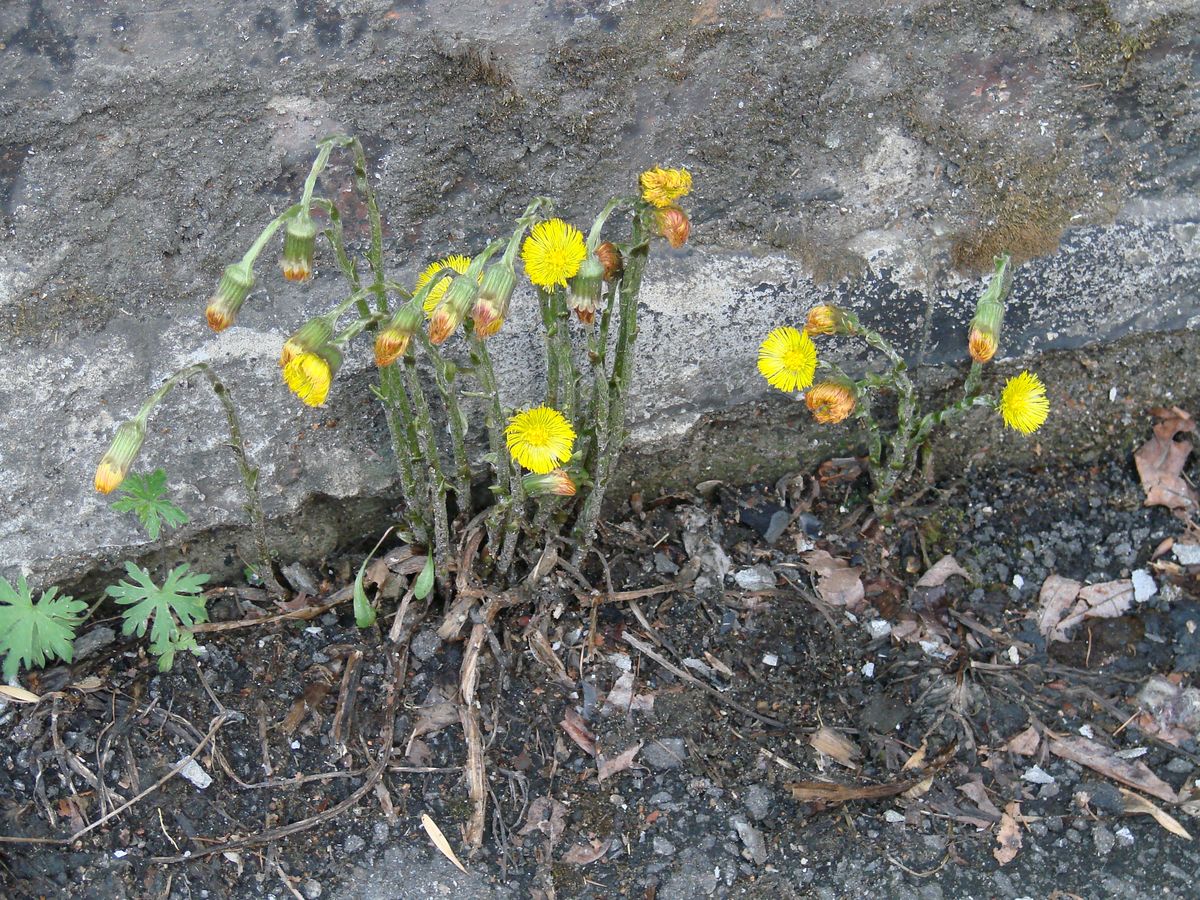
[(582, 854), (838, 583), (835, 745), (544, 653), (940, 571), (920, 789), (1136, 803), (833, 792), (1161, 459), (1025, 743), (978, 795), (439, 841), (1008, 838), (917, 759), (606, 768), (620, 697), (1106, 762), (1057, 596), (19, 694), (1065, 603), (578, 731), (546, 816)]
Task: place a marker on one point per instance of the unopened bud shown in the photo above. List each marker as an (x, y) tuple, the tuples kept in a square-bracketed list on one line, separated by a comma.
[(981, 345), (458, 302), (673, 224), (312, 334), (392, 341), (236, 283), (984, 336), (830, 401), (495, 293), (610, 257), (583, 290), (299, 247), (556, 482), (825, 320), (121, 453)]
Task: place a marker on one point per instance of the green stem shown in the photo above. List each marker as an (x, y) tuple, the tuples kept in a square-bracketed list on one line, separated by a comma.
[(405, 446), (375, 254), (265, 235), (437, 482), (458, 424)]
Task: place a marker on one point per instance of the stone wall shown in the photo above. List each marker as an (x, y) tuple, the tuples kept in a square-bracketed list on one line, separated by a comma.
[(878, 153)]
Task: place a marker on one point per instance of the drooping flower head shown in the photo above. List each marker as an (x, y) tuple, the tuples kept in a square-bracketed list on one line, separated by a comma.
[(495, 293), (610, 257), (540, 439), (310, 375), (236, 283), (556, 482), (454, 308), (788, 359), (311, 335), (981, 345), (455, 262), (392, 341), (673, 224), (552, 253), (830, 401), (661, 187), (121, 453), (825, 319), (299, 248), (1023, 404), (583, 291)]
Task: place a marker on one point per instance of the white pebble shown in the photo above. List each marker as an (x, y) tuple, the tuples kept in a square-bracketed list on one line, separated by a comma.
[(868, 669), (1018, 582), (878, 628), (1037, 775), (770, 659), (1143, 585), (194, 773)]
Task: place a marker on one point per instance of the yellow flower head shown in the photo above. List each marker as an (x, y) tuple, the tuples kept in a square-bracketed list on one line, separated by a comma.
[(788, 359), (309, 376), (1023, 403), (540, 439), (552, 253), (661, 187), (830, 402), (456, 262)]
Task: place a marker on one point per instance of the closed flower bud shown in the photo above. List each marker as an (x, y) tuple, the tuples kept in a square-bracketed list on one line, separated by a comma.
[(984, 335), (458, 302), (556, 482), (299, 246), (610, 258), (830, 401), (583, 291), (310, 375), (236, 283), (392, 341), (981, 345), (495, 293), (825, 320), (312, 334), (121, 453), (673, 224)]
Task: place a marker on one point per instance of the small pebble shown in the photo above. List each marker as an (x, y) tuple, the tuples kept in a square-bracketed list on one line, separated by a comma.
[(868, 670), (1037, 775), (1143, 585), (663, 847), (354, 843), (879, 628), (770, 659)]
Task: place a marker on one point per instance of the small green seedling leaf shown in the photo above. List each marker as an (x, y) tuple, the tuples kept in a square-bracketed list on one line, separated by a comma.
[(167, 611), (32, 633), (364, 612), (425, 580), (146, 496)]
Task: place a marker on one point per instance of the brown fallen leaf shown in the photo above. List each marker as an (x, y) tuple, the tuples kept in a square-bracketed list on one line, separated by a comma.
[(439, 841), (539, 644), (1103, 760), (838, 583), (620, 695), (917, 759), (1136, 803), (1161, 459), (577, 730), (582, 854), (978, 795), (1056, 599), (835, 745), (19, 694), (606, 768), (546, 816), (1025, 743), (1065, 603), (940, 571), (1008, 838)]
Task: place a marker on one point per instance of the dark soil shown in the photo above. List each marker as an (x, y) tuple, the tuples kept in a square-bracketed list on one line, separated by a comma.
[(705, 808)]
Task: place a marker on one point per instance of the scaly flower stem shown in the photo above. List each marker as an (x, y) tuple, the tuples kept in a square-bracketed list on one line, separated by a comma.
[(631, 284), (553, 371), (598, 354), (406, 447), (512, 523), (265, 235), (458, 425), (437, 481), (362, 180)]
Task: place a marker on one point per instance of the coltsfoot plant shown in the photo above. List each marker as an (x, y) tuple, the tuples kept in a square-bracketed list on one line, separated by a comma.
[(788, 360), (546, 466)]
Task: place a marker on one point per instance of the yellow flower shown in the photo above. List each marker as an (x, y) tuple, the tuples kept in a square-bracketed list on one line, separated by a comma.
[(455, 261), (540, 439), (660, 187), (552, 253), (309, 377), (1023, 403), (830, 402), (788, 359)]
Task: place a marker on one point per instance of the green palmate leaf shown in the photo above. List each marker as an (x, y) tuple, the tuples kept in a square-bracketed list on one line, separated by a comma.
[(32, 633), (167, 611), (145, 495)]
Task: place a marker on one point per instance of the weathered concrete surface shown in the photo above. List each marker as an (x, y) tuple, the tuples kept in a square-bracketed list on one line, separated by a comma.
[(879, 155)]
